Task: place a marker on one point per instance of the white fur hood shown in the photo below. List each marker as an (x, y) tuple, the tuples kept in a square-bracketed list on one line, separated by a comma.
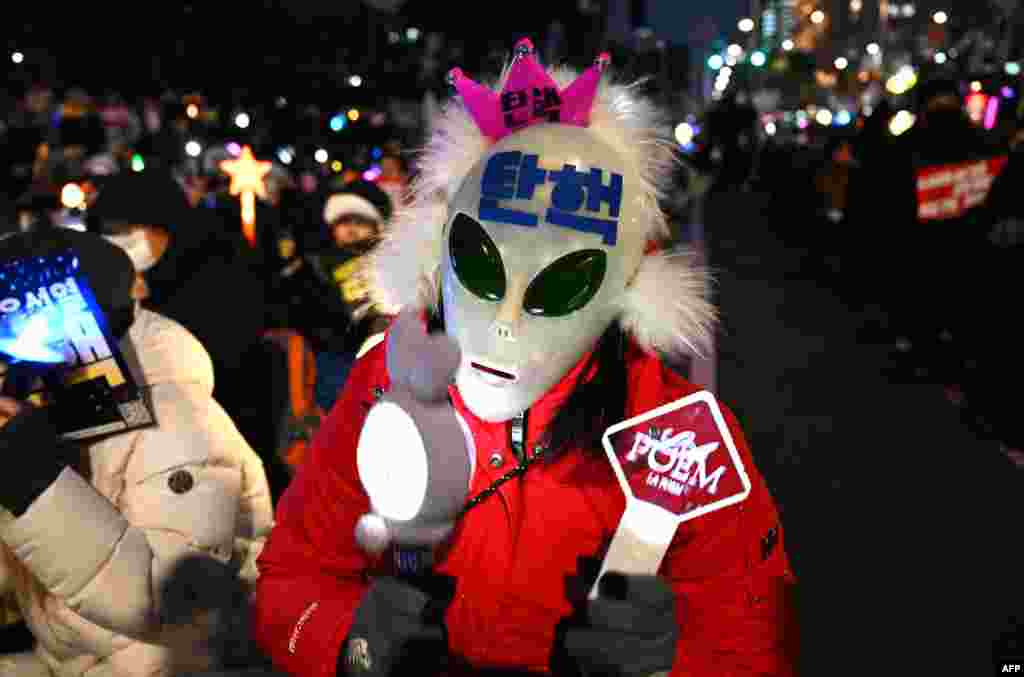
[(666, 306)]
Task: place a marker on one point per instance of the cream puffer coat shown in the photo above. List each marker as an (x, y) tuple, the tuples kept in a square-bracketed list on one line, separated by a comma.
[(86, 562)]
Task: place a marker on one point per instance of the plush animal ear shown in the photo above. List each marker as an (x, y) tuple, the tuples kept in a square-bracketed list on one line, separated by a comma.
[(666, 308), (423, 362)]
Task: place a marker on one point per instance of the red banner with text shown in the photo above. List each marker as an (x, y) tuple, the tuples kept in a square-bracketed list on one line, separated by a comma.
[(949, 191)]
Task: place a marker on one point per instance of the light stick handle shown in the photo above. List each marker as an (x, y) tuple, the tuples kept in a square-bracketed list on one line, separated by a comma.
[(640, 541), (249, 217)]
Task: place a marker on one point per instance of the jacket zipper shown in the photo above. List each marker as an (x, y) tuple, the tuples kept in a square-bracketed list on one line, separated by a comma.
[(517, 435)]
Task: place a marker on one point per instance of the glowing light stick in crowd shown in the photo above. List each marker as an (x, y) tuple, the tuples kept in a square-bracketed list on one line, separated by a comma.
[(247, 180)]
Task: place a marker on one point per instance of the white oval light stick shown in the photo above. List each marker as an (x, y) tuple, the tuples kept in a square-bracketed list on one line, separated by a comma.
[(415, 462), (674, 463)]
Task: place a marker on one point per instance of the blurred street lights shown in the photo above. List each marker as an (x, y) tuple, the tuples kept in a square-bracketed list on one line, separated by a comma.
[(788, 44), (745, 24), (940, 17), (17, 57), (873, 49), (841, 63), (902, 81), (817, 16), (684, 133), (901, 122)]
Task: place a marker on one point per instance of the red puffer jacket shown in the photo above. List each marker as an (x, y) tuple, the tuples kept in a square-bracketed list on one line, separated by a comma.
[(512, 552)]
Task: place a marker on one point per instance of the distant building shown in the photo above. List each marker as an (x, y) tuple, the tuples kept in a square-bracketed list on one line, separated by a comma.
[(778, 22)]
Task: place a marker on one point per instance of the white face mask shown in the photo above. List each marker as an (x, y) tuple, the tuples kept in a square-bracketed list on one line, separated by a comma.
[(138, 248), (522, 322)]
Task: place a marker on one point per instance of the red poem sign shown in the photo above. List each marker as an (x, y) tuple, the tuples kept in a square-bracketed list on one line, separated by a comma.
[(949, 191), (680, 457)]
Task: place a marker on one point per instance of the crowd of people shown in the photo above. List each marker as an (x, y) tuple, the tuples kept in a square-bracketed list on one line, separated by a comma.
[(267, 345), (294, 289), (917, 231), (246, 347), (266, 329)]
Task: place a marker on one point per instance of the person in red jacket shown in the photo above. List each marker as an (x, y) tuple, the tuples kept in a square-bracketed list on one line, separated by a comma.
[(528, 244)]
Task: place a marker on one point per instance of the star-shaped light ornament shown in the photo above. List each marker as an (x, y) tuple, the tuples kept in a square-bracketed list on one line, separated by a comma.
[(247, 179)]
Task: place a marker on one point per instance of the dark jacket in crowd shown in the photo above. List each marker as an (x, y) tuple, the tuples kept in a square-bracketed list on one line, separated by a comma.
[(993, 342), (327, 299), (207, 280), (910, 259)]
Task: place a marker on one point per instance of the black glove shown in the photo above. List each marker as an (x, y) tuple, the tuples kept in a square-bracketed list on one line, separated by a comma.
[(203, 590), (630, 630), (34, 456), (398, 628)]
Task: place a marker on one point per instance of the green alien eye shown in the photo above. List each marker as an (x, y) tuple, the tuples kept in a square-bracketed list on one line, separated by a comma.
[(476, 259), (566, 285)]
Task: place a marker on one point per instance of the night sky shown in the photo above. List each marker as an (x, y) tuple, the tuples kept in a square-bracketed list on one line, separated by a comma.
[(676, 18), (258, 45)]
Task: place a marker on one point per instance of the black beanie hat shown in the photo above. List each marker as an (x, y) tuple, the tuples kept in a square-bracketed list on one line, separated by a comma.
[(149, 198), (109, 271)]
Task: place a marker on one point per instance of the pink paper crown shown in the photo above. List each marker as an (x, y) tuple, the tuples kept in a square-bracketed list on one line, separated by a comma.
[(530, 95)]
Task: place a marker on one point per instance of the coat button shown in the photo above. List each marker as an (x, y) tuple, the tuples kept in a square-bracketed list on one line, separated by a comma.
[(180, 481), (496, 460)]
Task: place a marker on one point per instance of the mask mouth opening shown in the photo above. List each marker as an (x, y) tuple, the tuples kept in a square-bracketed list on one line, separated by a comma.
[(493, 371)]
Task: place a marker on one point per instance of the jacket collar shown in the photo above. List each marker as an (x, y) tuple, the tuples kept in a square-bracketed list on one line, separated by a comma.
[(545, 408)]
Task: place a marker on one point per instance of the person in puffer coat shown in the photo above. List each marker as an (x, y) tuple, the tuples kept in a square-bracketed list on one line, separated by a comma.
[(92, 533)]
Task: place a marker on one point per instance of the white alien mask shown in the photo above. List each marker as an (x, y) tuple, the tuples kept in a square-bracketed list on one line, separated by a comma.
[(536, 258)]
